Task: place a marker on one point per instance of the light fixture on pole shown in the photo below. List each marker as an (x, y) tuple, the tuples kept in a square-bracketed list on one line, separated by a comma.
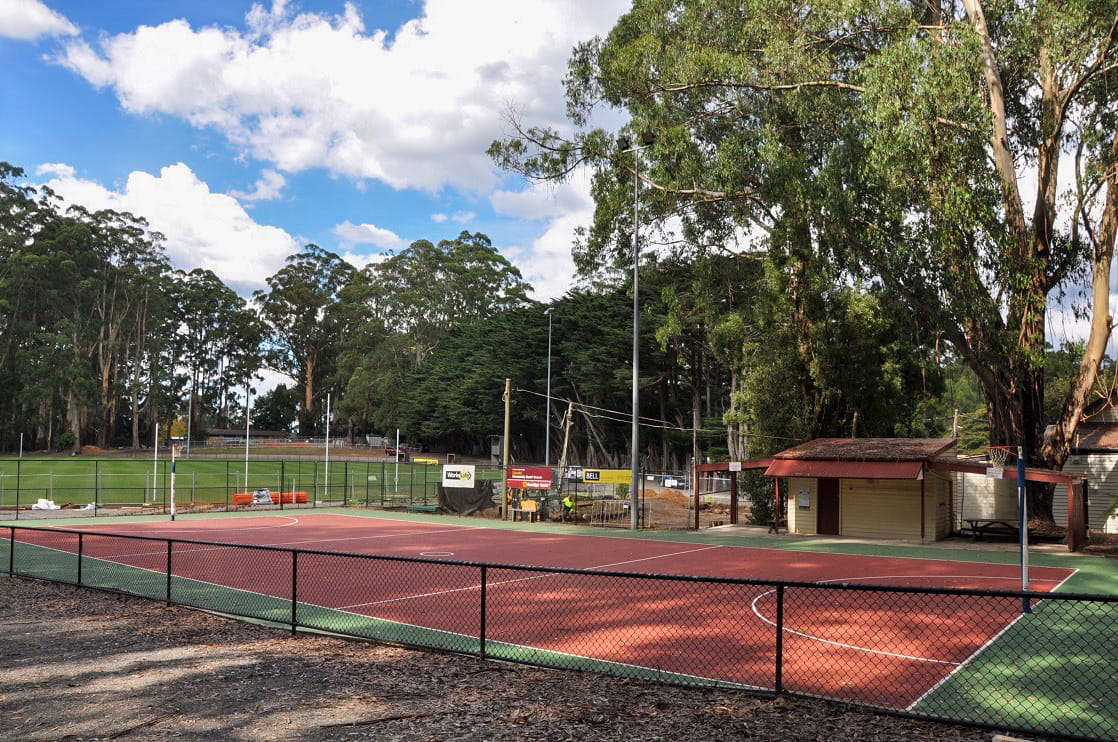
[(648, 139), (547, 419)]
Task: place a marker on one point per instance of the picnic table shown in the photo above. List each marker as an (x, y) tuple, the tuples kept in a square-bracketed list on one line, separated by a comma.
[(980, 527)]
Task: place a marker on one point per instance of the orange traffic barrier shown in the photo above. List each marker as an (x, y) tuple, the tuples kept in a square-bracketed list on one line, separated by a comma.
[(287, 498)]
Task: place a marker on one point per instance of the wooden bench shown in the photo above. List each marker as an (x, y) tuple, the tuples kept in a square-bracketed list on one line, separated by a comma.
[(980, 527), (413, 508)]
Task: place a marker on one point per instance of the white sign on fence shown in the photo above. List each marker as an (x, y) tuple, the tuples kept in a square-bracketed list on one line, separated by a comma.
[(458, 475)]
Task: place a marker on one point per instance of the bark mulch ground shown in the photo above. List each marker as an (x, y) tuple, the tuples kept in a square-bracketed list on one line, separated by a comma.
[(85, 665)]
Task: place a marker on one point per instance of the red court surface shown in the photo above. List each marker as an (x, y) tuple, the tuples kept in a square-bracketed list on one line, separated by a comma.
[(883, 648)]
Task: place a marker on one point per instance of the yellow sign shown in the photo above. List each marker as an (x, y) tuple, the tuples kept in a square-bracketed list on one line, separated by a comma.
[(607, 476), (425, 461)]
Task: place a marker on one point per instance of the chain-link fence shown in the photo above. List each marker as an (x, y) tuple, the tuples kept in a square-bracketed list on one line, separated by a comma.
[(31, 488), (1026, 662)]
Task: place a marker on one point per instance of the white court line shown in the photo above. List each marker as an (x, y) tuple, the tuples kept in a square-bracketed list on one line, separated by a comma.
[(757, 612), (172, 529), (983, 648), (519, 579), (276, 543), (732, 546)]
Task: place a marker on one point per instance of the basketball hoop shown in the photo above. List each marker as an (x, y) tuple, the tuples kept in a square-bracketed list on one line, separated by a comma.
[(996, 457)]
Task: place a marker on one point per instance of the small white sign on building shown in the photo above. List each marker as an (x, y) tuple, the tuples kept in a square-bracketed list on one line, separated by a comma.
[(735, 466), (458, 475)]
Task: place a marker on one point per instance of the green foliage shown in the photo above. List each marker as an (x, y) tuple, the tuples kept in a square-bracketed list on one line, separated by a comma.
[(303, 321), (66, 440)]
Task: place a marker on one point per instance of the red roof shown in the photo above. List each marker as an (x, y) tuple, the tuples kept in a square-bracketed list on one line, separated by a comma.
[(819, 469)]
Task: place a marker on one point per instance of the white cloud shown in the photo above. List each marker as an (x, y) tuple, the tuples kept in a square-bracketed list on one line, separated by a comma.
[(267, 188), (463, 217), (56, 169), (547, 263), (203, 229), (309, 90), (545, 200), (439, 218), (27, 20), (368, 234)]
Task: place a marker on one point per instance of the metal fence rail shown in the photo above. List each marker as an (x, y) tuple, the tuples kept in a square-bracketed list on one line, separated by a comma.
[(201, 484), (964, 656)]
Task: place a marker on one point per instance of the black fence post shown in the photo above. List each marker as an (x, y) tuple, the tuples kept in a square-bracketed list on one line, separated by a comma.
[(169, 543), (778, 685), (96, 486), (12, 549), (227, 485), (481, 632), (345, 484), (81, 548), (366, 484), (294, 589)]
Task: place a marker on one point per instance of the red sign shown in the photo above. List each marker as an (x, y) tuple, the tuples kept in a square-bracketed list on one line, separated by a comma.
[(529, 478)]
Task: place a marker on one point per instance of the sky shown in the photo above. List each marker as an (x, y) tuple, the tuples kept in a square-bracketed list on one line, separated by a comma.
[(242, 131)]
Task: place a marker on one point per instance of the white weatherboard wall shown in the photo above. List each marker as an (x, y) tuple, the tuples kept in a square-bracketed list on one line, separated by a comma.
[(1101, 471), (980, 496)]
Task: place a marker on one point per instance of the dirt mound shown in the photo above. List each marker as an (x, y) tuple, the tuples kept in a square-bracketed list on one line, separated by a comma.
[(93, 451)]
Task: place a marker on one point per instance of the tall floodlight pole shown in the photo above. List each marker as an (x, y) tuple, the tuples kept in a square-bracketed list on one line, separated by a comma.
[(547, 427), (648, 138), (154, 462), (189, 413), (327, 484), (248, 407)]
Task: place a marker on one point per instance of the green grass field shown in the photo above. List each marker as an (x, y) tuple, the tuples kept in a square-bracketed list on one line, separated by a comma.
[(110, 482)]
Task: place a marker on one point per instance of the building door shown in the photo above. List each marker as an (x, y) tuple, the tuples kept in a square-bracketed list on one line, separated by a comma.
[(828, 519)]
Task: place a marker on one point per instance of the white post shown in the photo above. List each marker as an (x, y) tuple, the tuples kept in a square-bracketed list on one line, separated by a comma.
[(396, 480), (248, 406), (155, 463), (327, 445), (21, 445), (172, 481)]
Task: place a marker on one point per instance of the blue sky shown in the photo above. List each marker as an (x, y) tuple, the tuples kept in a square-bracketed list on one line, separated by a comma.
[(242, 131)]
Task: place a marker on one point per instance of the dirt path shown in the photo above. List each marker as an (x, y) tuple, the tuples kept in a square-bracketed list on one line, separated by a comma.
[(83, 665)]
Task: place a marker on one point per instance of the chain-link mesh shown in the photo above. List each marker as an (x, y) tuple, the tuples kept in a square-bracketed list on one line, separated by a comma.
[(1039, 662)]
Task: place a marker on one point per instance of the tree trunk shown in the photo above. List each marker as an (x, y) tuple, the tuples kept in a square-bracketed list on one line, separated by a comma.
[(1056, 448)]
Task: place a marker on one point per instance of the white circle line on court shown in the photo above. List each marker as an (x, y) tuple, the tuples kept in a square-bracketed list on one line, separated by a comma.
[(436, 553), (844, 580)]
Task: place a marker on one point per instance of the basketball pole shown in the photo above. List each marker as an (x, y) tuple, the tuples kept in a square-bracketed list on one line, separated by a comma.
[(1023, 528)]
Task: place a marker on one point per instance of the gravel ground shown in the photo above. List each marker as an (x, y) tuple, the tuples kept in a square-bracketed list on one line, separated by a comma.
[(85, 665)]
